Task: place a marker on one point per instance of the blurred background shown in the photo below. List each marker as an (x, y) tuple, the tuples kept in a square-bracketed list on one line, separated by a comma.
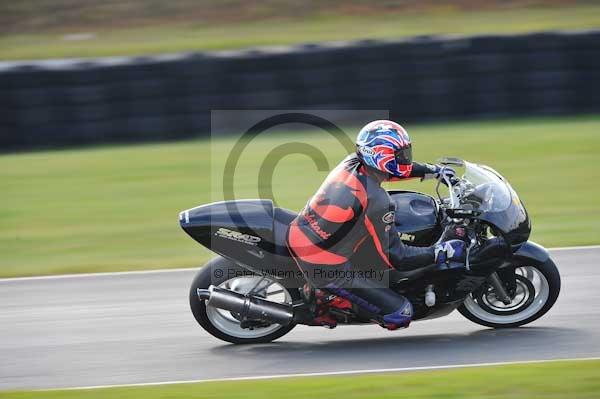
[(105, 110)]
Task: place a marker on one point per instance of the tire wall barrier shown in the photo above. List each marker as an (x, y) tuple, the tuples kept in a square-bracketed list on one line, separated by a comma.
[(76, 102)]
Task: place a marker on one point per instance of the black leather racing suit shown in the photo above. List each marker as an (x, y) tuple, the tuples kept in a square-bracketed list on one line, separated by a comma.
[(351, 209)]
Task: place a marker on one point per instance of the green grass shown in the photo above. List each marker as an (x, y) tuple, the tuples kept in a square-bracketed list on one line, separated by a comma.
[(116, 208), (167, 37), (556, 380)]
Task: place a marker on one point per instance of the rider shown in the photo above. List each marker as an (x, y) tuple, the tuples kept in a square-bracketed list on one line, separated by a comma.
[(351, 209)]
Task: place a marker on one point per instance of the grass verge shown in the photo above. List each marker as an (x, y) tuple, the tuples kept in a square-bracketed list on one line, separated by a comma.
[(116, 208), (168, 37), (556, 380)]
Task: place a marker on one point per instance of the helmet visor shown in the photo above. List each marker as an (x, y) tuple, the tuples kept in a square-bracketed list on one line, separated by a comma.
[(404, 156)]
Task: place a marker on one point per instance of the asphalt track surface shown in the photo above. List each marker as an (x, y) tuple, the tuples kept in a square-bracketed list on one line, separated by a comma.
[(137, 328)]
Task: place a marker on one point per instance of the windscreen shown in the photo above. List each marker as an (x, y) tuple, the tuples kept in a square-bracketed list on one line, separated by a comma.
[(484, 189)]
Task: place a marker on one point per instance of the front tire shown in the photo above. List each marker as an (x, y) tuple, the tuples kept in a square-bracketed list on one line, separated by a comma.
[(222, 324), (538, 287)]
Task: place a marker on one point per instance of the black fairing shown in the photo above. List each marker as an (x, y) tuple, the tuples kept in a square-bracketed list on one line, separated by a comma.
[(531, 253), (417, 217), (513, 223), (250, 232)]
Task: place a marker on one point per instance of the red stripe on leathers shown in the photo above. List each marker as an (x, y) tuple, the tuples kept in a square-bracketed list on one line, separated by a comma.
[(309, 252)]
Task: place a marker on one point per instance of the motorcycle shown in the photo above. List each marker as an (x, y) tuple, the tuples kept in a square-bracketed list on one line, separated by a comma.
[(252, 292)]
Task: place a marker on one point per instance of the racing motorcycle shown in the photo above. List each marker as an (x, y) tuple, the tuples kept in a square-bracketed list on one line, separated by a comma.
[(252, 292)]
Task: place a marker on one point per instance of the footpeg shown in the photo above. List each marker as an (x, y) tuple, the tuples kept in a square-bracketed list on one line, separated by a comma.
[(429, 296), (325, 321), (395, 326)]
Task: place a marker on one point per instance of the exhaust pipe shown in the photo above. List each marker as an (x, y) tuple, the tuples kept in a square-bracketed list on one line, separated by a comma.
[(249, 307)]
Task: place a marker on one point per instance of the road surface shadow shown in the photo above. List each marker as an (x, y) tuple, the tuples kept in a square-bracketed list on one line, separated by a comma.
[(540, 341)]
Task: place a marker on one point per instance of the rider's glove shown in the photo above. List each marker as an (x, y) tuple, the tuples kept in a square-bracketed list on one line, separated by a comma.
[(441, 172), (451, 250), (444, 173)]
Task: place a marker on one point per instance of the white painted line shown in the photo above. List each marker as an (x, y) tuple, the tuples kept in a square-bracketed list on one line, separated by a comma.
[(326, 373), (107, 274), (583, 247), (188, 269)]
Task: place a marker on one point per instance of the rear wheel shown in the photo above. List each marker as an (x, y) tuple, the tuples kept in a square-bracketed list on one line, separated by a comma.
[(535, 292), (226, 325)]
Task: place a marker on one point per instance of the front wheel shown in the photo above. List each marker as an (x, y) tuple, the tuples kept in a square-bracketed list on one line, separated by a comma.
[(536, 290), (226, 325)]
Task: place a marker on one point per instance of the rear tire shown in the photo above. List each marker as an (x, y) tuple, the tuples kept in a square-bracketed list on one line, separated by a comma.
[(534, 308), (216, 272)]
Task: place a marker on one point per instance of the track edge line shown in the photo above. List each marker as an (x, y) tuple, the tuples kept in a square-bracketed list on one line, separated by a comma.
[(324, 374)]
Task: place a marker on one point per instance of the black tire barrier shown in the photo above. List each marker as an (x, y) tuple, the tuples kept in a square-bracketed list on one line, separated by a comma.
[(72, 102)]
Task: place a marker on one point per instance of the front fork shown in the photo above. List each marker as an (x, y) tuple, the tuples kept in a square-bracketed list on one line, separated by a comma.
[(501, 293)]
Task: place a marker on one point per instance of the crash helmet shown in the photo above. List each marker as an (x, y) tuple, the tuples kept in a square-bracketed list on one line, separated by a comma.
[(385, 146)]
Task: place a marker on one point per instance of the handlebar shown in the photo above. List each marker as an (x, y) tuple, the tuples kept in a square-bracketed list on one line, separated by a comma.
[(449, 182)]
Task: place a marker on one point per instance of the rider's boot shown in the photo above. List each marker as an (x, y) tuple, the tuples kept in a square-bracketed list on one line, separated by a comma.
[(322, 316), (400, 318), (394, 310)]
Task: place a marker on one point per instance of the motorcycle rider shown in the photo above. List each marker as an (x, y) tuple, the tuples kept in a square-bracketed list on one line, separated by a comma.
[(351, 209)]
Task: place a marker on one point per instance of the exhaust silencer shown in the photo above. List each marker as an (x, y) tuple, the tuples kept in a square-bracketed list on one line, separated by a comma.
[(249, 307)]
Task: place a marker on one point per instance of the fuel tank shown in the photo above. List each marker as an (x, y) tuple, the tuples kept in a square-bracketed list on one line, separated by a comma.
[(416, 217)]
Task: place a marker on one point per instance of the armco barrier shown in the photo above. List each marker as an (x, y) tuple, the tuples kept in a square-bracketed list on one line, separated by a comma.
[(75, 102)]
